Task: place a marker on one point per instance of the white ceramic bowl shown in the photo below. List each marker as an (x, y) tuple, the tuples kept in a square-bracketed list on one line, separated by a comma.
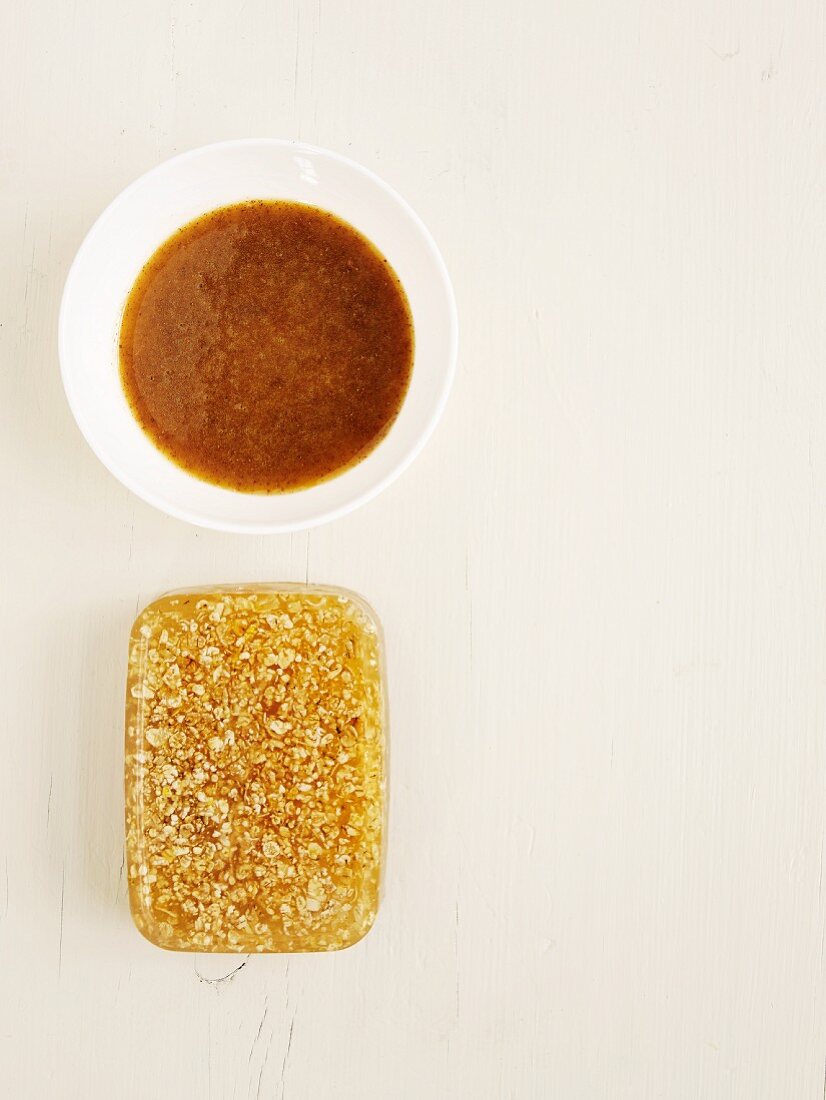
[(141, 218)]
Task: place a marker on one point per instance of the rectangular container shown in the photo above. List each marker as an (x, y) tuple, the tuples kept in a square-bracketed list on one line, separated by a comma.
[(255, 769)]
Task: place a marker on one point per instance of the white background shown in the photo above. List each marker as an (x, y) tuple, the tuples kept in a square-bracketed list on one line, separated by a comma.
[(602, 584)]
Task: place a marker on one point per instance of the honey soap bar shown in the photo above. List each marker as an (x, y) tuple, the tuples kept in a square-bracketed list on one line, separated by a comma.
[(255, 743)]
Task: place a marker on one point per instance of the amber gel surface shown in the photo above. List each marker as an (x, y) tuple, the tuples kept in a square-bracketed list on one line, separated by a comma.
[(255, 770), (266, 346)]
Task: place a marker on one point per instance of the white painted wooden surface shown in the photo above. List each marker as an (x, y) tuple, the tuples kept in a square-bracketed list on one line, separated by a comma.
[(603, 584)]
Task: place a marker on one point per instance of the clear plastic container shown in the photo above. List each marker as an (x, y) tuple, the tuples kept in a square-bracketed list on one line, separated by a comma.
[(255, 769)]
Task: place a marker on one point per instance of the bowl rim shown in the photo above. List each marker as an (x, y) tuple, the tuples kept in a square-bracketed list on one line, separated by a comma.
[(282, 527)]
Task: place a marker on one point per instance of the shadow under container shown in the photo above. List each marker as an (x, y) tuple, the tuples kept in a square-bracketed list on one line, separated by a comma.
[(255, 769)]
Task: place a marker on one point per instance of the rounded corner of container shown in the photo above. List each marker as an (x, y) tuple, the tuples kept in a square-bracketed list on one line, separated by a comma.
[(362, 935), (147, 609), (362, 604)]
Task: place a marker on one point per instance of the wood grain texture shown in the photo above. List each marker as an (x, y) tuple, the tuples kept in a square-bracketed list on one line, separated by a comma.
[(602, 584)]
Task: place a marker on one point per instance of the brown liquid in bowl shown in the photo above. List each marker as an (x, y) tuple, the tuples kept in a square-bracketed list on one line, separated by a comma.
[(266, 346)]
